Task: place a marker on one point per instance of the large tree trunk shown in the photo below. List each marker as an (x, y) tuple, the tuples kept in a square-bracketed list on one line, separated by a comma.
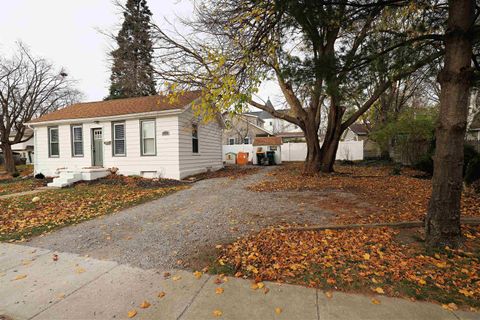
[(442, 225), (329, 152), (332, 137), (312, 162), (9, 162)]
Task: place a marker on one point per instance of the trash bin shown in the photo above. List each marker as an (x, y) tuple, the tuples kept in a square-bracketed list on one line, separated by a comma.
[(242, 158), (271, 158), (261, 159)]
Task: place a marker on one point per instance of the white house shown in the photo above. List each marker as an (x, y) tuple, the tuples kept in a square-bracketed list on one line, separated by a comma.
[(23, 150), (155, 136), (275, 125)]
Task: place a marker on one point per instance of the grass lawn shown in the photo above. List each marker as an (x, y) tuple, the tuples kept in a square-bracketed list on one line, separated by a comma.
[(385, 261), (9, 185), (23, 170), (20, 185), (21, 218)]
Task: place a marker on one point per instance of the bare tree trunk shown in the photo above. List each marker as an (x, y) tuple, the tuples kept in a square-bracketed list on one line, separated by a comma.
[(442, 225), (329, 153), (332, 137), (9, 162), (312, 162)]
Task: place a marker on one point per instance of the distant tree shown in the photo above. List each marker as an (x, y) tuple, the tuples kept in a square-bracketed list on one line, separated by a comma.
[(411, 128), (132, 72), (29, 87)]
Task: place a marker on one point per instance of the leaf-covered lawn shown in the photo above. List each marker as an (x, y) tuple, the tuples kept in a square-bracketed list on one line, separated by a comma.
[(368, 260), (380, 196), (20, 217), (376, 260), (19, 185)]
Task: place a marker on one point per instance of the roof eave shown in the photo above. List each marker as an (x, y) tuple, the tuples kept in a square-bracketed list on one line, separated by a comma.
[(110, 118)]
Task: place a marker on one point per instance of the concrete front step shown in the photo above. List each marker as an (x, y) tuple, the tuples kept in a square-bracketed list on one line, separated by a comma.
[(65, 179), (68, 177)]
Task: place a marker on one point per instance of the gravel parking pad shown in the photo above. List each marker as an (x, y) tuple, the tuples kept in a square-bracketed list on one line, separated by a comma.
[(182, 229)]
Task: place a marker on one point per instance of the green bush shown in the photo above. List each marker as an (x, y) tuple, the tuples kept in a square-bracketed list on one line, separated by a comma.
[(472, 172), (476, 186), (425, 164), (469, 153), (397, 170), (15, 174)]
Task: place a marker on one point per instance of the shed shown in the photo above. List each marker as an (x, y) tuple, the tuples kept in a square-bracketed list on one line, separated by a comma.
[(264, 144)]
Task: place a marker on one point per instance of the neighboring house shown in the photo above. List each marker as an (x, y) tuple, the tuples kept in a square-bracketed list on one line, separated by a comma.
[(23, 151), (273, 124), (473, 132), (291, 136), (359, 132), (356, 132), (243, 128), (153, 137)]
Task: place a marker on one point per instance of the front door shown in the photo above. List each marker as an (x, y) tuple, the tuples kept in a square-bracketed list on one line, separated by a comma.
[(97, 147)]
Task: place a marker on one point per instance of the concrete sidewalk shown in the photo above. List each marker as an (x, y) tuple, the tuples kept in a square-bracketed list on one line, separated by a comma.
[(34, 286)]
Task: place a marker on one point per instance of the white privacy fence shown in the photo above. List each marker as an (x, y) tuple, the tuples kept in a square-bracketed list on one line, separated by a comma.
[(297, 151)]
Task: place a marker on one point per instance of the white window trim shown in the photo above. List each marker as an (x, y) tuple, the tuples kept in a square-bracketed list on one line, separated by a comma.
[(230, 139), (142, 139), (50, 155), (114, 139), (73, 140)]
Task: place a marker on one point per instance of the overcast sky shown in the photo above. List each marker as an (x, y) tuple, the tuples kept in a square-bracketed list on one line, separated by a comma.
[(66, 33)]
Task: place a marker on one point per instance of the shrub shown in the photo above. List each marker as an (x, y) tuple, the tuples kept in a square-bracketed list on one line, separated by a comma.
[(472, 172), (469, 153), (15, 174), (397, 170), (425, 164), (476, 186)]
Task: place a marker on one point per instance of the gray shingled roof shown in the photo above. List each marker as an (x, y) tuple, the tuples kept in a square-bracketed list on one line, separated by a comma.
[(261, 114), (359, 129)]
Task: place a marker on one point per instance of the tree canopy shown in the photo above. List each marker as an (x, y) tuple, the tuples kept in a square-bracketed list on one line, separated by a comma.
[(319, 52)]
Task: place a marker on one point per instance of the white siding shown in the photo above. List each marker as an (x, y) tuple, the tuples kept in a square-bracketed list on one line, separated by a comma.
[(164, 164), (276, 125), (174, 157), (209, 156), (48, 166)]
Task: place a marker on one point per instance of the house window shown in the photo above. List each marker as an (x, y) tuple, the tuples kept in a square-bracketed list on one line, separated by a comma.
[(119, 139), (148, 137), (77, 141), (194, 138), (53, 145), (231, 141), (246, 140)]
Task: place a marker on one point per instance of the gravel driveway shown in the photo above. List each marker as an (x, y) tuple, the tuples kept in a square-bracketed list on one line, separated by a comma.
[(182, 229)]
